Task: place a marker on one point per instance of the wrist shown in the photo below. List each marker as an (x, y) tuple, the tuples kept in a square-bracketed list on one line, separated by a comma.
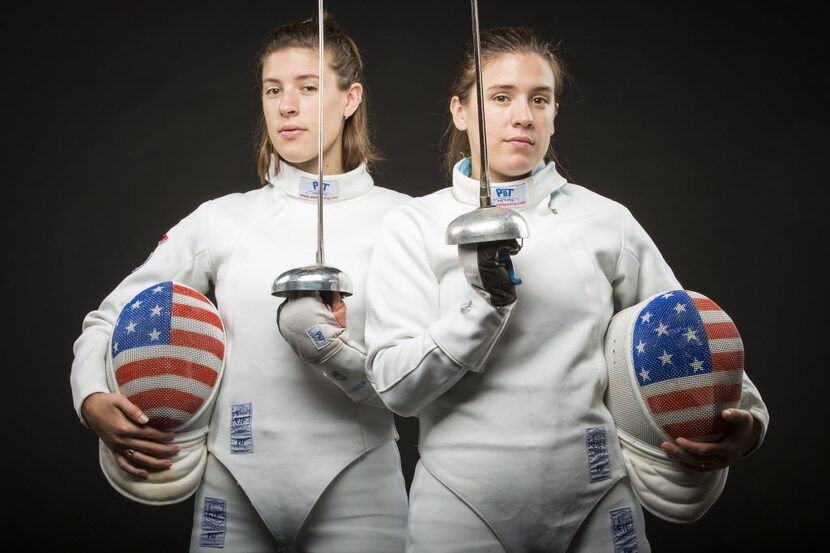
[(347, 370), (86, 406), (468, 333), (755, 437)]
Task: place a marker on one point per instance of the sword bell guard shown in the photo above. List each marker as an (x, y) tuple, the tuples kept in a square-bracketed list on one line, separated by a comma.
[(487, 224), (314, 278)]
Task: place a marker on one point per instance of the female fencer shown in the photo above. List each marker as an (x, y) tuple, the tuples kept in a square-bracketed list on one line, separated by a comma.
[(508, 381), (319, 470)]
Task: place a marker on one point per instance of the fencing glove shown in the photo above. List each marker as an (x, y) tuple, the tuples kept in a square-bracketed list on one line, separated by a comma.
[(312, 331), (489, 270)]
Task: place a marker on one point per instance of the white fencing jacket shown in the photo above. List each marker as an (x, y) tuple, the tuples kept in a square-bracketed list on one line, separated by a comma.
[(305, 430), (510, 399)]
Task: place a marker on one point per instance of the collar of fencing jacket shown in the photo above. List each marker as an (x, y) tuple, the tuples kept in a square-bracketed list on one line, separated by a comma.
[(302, 185), (519, 195)]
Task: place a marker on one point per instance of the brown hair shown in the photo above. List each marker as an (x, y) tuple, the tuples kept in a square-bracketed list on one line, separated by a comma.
[(495, 42), (347, 65)]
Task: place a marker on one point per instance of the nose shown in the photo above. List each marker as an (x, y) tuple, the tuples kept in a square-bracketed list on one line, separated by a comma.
[(288, 104), (522, 116)]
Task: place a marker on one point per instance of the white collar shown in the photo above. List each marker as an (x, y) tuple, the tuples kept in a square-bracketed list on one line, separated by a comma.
[(519, 195), (302, 185)]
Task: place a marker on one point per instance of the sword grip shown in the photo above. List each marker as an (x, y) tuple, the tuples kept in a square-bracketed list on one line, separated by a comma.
[(504, 257)]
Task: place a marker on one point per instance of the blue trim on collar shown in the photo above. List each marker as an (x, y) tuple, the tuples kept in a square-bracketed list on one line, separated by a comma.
[(466, 167)]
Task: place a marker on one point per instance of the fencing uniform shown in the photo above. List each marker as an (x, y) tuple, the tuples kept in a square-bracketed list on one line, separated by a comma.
[(510, 399), (281, 430)]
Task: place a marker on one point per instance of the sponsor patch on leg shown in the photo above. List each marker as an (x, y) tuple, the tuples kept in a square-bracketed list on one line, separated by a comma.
[(623, 531), (214, 520)]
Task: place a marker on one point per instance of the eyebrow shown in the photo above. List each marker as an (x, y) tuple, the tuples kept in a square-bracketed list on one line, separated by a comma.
[(513, 87), (297, 78)]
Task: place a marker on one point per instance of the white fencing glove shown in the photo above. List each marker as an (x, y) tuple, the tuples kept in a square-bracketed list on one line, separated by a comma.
[(316, 336), (489, 270)]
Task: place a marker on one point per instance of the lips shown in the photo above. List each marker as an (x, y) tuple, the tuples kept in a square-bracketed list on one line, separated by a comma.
[(290, 131), (520, 141)]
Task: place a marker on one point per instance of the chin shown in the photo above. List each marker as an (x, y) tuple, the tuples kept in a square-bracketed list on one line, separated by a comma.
[(516, 162), (294, 155)]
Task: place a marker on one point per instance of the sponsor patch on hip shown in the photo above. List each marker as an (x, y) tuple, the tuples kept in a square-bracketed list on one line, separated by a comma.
[(214, 519), (315, 334), (242, 437), (596, 445), (623, 532)]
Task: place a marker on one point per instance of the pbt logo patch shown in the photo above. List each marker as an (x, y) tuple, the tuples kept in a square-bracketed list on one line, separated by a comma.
[(310, 188), (317, 337), (514, 195)]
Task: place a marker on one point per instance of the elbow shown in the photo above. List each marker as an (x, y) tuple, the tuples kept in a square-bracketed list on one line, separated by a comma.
[(394, 397), (398, 403), (403, 408), (398, 383)]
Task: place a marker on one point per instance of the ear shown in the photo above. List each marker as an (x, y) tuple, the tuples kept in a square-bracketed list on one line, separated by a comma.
[(353, 98), (457, 112), (553, 123)]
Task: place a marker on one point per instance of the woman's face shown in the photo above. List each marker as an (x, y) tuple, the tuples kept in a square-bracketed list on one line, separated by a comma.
[(519, 107), (290, 86)]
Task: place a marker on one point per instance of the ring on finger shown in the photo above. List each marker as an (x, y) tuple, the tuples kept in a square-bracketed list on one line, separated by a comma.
[(130, 453)]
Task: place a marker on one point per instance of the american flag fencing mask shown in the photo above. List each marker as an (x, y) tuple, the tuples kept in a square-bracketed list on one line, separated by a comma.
[(166, 355), (675, 362)]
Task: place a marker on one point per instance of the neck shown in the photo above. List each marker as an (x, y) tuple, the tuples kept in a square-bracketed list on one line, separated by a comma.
[(332, 160), (495, 176)]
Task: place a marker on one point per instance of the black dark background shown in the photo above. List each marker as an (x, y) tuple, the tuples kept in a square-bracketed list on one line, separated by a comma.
[(707, 119)]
